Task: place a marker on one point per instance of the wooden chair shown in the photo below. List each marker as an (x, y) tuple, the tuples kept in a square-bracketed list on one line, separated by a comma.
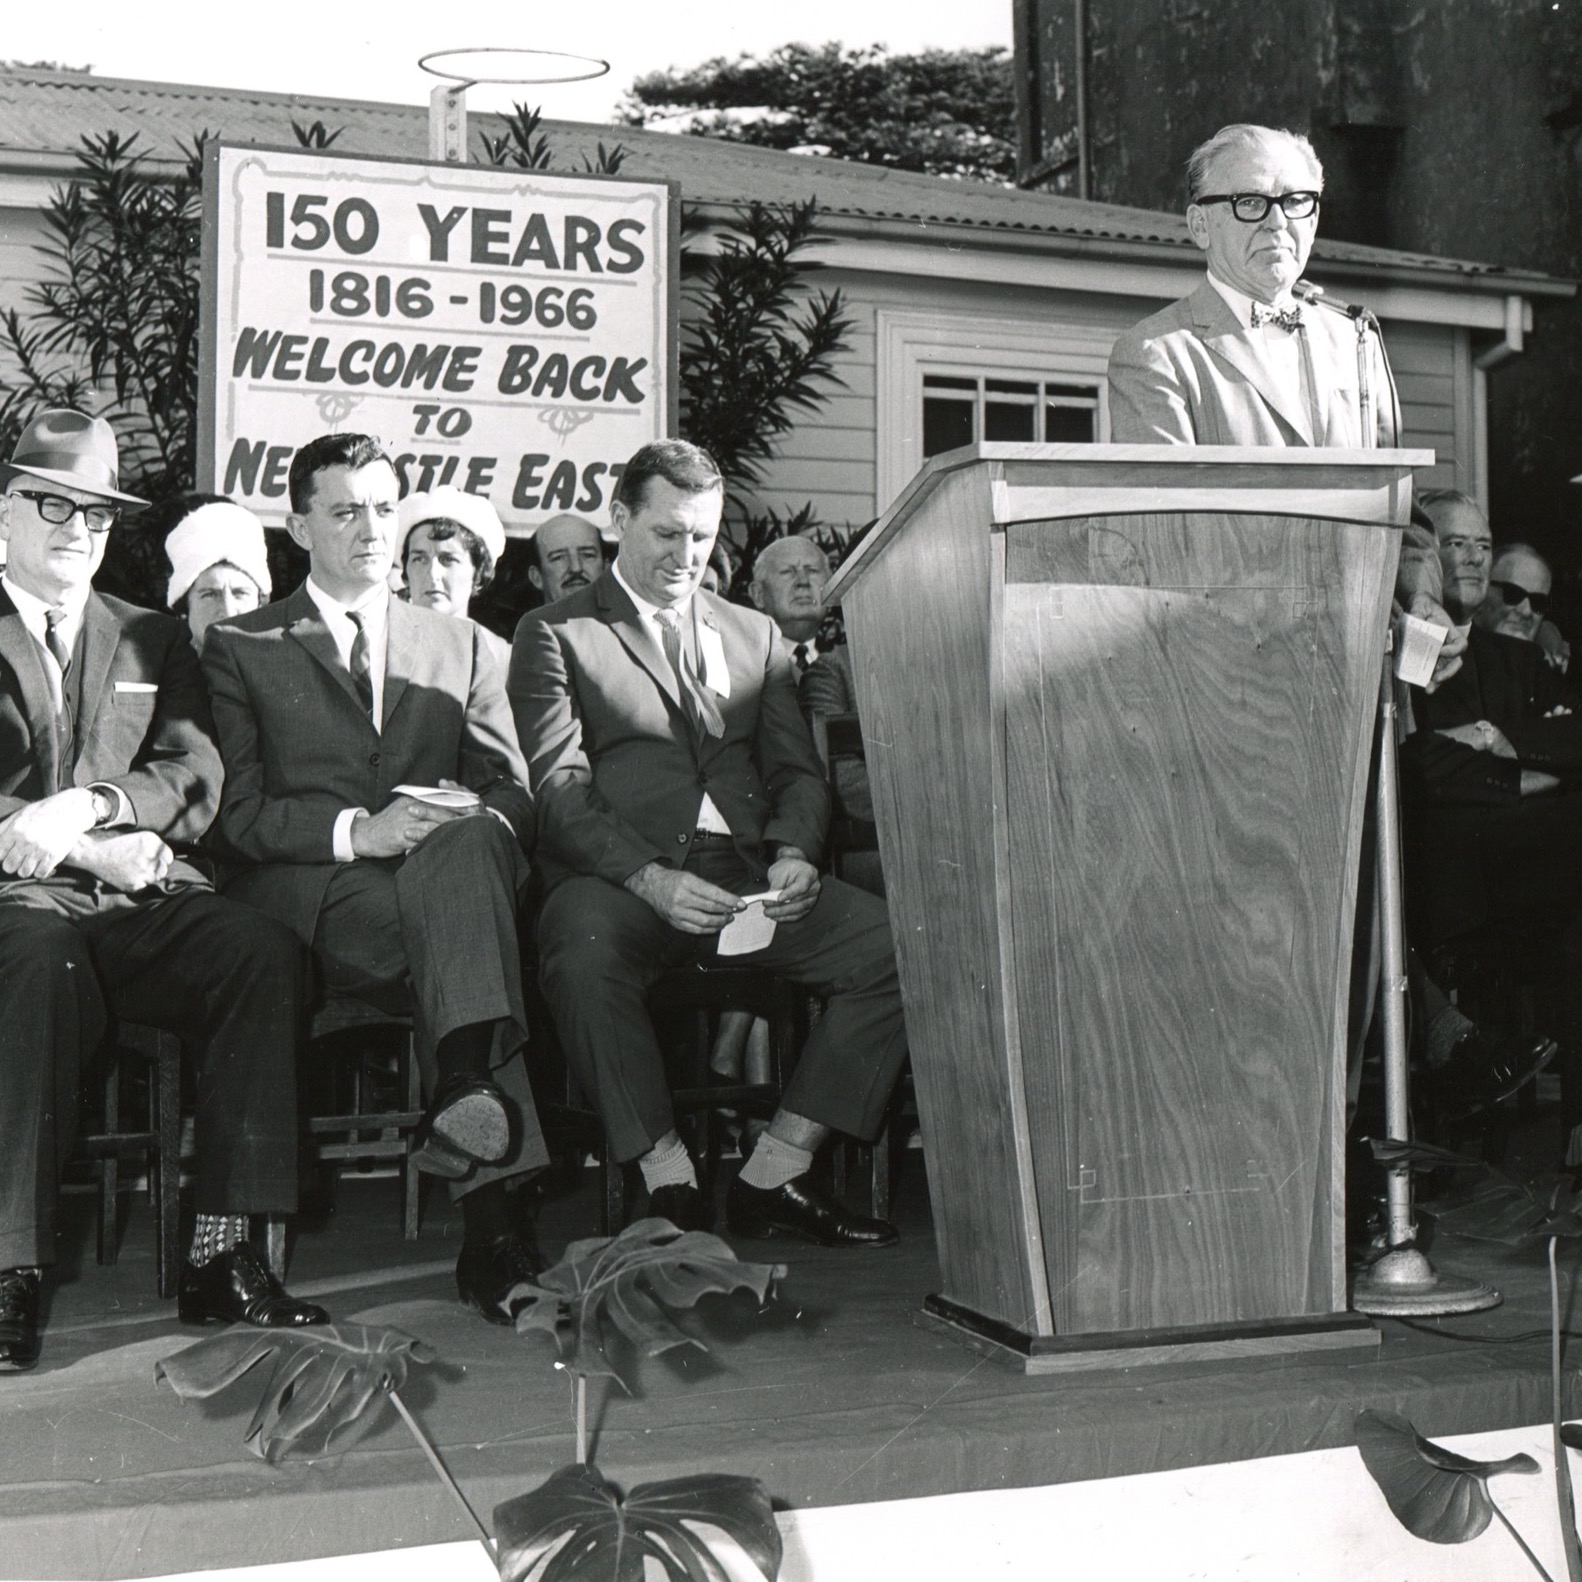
[(157, 1145)]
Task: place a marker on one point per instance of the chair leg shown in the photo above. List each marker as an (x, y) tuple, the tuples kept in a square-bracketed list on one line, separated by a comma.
[(614, 1208), (411, 1176), (275, 1244), (879, 1175), (110, 1169), (167, 1179)]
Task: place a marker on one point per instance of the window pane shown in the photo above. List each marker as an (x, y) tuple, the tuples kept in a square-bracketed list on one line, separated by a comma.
[(1084, 394), (1004, 421), (947, 424), (949, 382), (1069, 425), (1010, 387)]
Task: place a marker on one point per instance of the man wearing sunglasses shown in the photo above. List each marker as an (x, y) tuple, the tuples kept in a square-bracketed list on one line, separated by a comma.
[(108, 767), (1239, 361), (1518, 598)]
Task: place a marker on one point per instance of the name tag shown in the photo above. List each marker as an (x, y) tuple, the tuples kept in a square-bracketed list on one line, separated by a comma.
[(137, 686), (711, 650)]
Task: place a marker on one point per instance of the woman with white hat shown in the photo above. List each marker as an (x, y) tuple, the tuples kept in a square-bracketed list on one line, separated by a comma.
[(219, 565), (451, 542)]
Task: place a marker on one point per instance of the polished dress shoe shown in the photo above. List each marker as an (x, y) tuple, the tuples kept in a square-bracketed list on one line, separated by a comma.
[(799, 1209), (466, 1123), (683, 1206), (1483, 1068), (18, 1319), (488, 1269), (236, 1287)]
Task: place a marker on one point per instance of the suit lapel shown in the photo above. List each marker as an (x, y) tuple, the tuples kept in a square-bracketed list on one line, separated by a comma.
[(19, 650), (101, 636), (618, 612), (1220, 330), (307, 627), (402, 641)]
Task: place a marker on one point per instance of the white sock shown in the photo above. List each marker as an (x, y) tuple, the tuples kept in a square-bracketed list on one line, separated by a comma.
[(774, 1163), (668, 1164)]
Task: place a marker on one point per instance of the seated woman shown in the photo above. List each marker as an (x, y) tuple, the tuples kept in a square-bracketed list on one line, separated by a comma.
[(219, 566), (449, 544)]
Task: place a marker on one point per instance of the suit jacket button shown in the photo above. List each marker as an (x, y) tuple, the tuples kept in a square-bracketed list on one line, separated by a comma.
[(373, 760), (681, 840), (703, 779)]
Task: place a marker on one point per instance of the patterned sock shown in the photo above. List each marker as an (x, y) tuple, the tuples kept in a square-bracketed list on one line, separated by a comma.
[(774, 1163), (214, 1234), (1443, 1033), (668, 1164)]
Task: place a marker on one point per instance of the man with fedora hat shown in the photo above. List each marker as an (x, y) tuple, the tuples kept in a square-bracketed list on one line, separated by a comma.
[(108, 768)]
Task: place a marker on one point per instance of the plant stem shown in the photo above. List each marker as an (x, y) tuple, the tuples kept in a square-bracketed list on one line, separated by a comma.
[(1563, 1495), (1537, 1563), (582, 1418), (427, 1447)]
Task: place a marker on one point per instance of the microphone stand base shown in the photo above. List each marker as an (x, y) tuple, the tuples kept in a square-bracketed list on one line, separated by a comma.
[(1404, 1284)]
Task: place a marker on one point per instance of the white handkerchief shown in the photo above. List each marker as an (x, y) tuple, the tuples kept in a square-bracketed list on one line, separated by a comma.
[(712, 652), (137, 686), (439, 796), (749, 930)]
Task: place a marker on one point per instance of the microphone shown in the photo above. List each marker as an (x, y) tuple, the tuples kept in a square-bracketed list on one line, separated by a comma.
[(1310, 291)]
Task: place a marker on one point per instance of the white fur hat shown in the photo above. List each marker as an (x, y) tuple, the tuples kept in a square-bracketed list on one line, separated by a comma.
[(218, 531), (456, 505)]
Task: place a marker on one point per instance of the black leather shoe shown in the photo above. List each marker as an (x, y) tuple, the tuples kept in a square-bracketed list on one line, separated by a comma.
[(1484, 1068), (467, 1123), (683, 1206), (485, 1273), (18, 1319), (799, 1209), (236, 1287)]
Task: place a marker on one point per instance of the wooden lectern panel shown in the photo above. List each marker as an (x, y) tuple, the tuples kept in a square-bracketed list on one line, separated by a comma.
[(1187, 703)]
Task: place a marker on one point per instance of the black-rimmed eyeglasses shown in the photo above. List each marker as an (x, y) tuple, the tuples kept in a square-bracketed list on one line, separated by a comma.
[(59, 509), (1513, 593), (1251, 207)]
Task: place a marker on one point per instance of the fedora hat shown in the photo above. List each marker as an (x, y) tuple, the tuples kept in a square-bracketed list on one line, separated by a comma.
[(70, 448)]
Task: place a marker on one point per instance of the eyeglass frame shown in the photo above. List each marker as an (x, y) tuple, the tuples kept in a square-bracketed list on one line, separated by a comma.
[(1538, 603), (1268, 200), (40, 496)]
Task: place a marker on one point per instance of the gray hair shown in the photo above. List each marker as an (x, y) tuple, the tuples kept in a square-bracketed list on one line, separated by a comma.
[(1245, 135)]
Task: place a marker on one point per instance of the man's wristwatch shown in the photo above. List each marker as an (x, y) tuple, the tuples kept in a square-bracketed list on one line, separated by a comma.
[(105, 806)]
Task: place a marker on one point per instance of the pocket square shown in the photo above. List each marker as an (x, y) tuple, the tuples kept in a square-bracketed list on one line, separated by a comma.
[(137, 686)]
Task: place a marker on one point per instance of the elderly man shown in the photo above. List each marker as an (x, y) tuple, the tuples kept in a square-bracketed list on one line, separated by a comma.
[(1518, 596), (107, 768), (788, 586), (675, 775), (1239, 362), (374, 801), (568, 554)]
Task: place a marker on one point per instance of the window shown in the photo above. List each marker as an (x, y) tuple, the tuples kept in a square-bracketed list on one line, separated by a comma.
[(960, 409)]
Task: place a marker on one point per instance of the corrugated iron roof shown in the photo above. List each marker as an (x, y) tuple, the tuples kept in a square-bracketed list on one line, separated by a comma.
[(47, 113)]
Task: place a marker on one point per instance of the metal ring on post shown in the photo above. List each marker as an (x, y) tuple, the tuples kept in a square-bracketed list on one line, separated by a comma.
[(472, 79)]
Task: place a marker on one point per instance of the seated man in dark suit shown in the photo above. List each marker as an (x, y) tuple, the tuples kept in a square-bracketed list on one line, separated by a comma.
[(330, 704), (675, 774), (1490, 772), (107, 762)]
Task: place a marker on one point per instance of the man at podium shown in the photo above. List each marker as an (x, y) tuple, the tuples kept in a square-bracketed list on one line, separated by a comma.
[(1240, 361)]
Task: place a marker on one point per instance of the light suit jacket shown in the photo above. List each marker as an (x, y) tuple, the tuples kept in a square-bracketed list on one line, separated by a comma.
[(617, 767), (1191, 375)]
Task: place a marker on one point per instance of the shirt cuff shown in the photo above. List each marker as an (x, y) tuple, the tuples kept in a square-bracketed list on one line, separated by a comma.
[(123, 805), (341, 839)]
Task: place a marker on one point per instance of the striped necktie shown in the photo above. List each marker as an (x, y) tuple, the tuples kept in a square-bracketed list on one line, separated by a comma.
[(361, 666), (65, 726), (705, 711)]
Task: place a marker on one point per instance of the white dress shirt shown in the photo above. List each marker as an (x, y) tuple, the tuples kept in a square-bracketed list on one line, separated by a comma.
[(1284, 350), (710, 820), (34, 612)]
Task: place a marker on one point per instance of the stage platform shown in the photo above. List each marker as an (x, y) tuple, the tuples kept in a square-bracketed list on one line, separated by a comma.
[(833, 1395)]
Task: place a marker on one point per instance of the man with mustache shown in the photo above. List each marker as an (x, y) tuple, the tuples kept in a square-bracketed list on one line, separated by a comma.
[(567, 554), (1240, 362)]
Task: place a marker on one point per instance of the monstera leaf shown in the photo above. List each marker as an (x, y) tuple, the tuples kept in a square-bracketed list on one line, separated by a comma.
[(602, 1537), (1499, 1208), (1435, 1493), (627, 1282), (322, 1380), (1391, 1151)]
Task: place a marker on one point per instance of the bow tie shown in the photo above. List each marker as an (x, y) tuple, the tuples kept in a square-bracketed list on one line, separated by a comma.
[(1287, 319)]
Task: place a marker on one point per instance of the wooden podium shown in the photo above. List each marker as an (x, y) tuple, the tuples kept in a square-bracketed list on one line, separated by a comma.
[(1118, 703)]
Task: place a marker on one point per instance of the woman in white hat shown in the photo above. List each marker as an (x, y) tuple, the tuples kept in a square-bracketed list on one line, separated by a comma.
[(219, 565), (451, 542)]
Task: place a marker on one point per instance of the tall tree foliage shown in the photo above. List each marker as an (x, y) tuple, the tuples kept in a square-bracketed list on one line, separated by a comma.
[(943, 112)]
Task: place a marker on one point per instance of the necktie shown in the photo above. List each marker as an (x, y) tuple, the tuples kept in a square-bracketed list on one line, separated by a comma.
[(799, 653), (1288, 319), (705, 711), (361, 667), (55, 642)]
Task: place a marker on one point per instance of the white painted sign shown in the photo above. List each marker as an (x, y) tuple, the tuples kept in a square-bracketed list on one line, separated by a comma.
[(508, 332)]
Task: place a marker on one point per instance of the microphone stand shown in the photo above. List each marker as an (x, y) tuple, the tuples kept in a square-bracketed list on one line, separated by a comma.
[(1402, 1282)]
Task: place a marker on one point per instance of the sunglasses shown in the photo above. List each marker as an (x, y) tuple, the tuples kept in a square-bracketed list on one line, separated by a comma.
[(1513, 593)]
